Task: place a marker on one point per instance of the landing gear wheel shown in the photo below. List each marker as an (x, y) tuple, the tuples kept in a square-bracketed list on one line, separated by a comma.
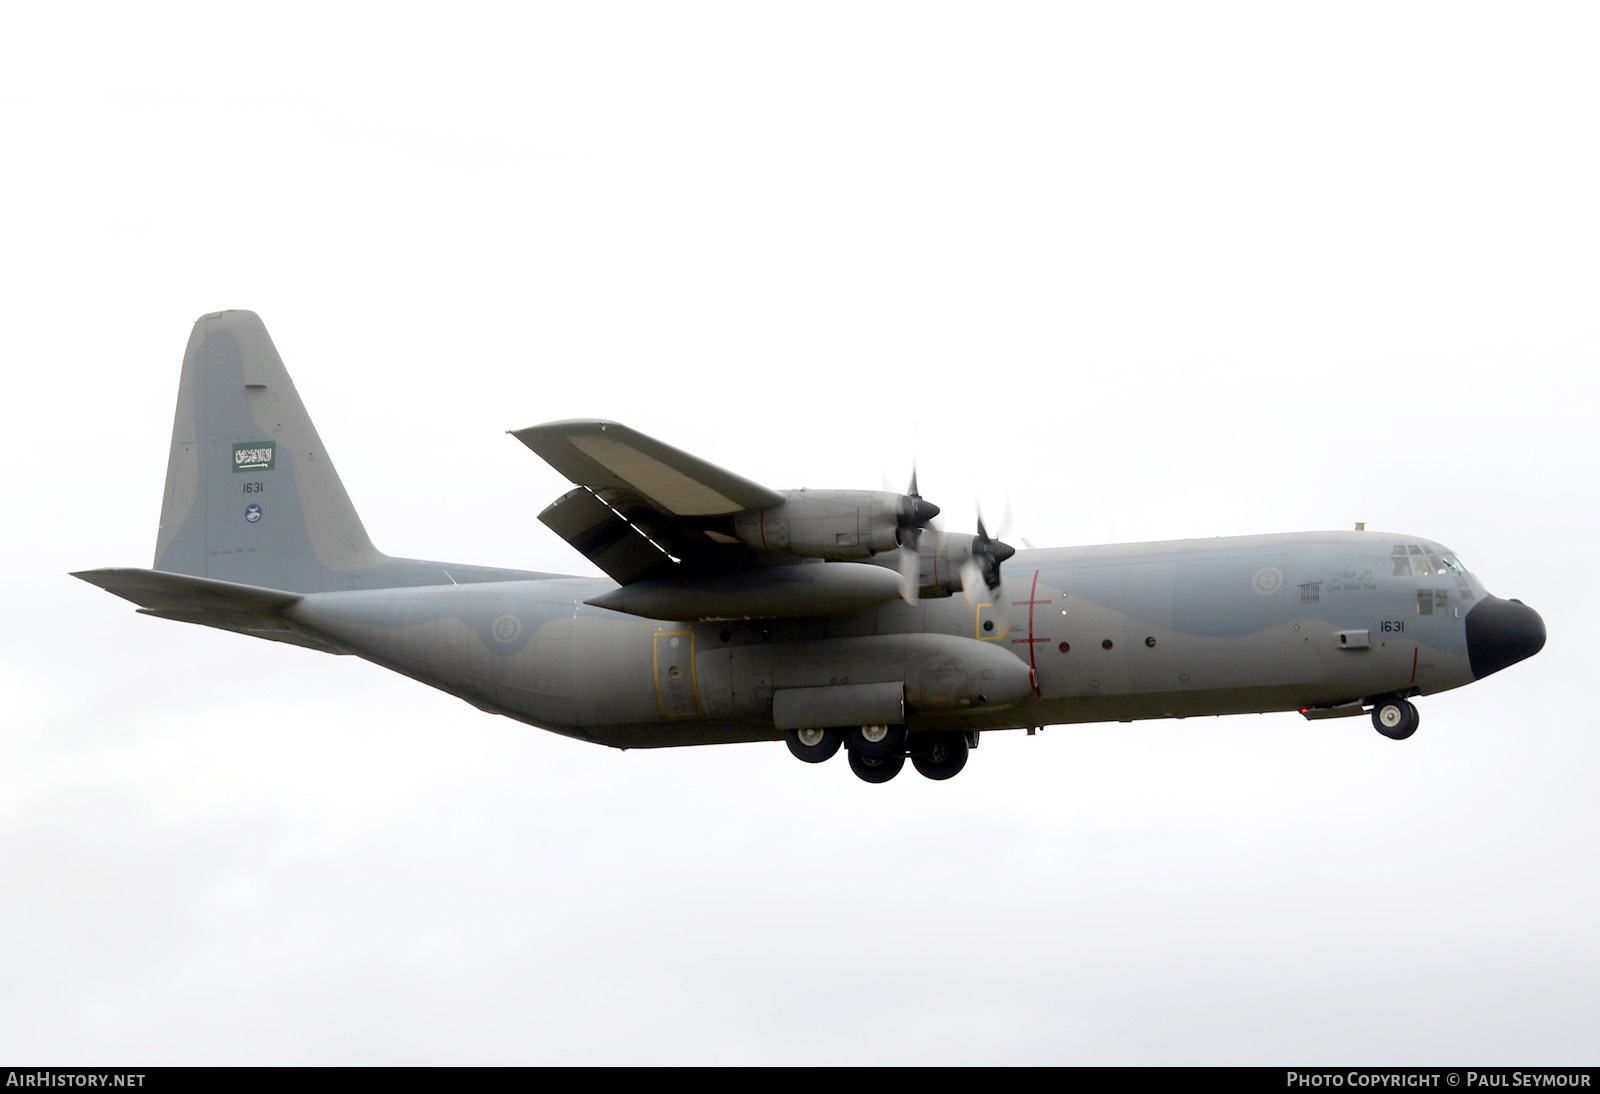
[(876, 742), (876, 769), (813, 745), (942, 756), (1395, 718)]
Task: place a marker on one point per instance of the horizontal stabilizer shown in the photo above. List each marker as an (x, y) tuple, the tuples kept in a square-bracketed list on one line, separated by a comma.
[(226, 605)]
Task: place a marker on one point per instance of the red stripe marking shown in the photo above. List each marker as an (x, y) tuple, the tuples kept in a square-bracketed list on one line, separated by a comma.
[(1033, 668)]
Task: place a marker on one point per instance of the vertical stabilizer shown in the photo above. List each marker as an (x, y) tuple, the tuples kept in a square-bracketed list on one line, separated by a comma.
[(251, 495)]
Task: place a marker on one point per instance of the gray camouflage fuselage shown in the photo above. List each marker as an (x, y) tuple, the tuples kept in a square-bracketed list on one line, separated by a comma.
[(1120, 632), (258, 536)]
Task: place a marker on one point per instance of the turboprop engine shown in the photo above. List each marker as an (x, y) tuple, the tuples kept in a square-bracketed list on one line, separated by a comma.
[(941, 559), (834, 524), (845, 525)]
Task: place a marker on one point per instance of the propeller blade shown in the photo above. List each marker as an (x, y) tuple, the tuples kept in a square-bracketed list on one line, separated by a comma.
[(910, 573), (989, 553), (971, 581)]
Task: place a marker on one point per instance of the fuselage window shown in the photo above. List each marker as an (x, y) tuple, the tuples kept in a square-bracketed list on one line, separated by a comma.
[(1424, 601)]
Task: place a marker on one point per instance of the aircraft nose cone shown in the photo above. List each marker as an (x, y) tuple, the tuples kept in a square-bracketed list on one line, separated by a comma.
[(1501, 633)]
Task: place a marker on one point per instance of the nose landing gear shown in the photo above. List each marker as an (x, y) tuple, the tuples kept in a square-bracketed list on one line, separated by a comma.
[(1394, 717)]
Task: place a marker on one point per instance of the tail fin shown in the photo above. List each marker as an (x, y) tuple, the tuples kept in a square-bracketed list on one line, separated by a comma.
[(251, 495)]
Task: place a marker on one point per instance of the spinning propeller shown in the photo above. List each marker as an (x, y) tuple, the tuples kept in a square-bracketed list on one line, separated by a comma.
[(911, 540), (975, 559), (984, 565)]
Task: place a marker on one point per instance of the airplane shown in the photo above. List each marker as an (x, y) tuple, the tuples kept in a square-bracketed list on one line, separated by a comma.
[(828, 619)]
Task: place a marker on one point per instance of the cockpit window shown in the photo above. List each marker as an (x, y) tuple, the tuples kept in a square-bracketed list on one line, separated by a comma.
[(1425, 560)]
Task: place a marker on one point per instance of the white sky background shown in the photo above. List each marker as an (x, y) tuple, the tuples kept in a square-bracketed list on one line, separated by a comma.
[(1138, 271)]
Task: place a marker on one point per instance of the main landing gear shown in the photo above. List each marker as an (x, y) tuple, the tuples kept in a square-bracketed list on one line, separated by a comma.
[(875, 770), (813, 745), (1394, 717), (879, 753)]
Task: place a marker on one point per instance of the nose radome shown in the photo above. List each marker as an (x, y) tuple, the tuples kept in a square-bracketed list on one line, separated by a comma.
[(1501, 633)]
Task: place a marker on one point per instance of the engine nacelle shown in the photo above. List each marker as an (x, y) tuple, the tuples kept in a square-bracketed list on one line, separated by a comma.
[(940, 556), (835, 524)]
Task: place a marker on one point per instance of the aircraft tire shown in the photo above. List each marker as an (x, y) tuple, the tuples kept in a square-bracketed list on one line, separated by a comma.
[(812, 745), (876, 769), (1395, 718), (942, 756), (890, 741), (1413, 720)]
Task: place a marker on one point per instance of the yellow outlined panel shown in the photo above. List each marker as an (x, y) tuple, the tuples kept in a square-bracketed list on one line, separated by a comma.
[(677, 690), (989, 613)]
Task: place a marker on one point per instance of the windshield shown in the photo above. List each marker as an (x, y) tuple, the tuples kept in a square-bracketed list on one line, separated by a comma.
[(1429, 560)]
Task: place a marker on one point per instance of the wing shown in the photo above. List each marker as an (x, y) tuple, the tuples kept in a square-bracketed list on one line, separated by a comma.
[(688, 540), (643, 509)]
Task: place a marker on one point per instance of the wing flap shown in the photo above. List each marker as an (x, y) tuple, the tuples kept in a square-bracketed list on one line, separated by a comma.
[(602, 536)]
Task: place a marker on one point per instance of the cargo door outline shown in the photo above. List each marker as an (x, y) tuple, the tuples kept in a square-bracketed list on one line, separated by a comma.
[(677, 692)]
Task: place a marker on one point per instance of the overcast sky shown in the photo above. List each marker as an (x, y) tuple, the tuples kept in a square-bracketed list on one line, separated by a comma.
[(1138, 271)]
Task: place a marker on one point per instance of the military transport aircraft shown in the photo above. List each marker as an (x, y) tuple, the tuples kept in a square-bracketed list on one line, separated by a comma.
[(824, 618)]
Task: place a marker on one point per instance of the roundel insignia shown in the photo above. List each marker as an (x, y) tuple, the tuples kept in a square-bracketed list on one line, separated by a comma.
[(506, 629), (252, 513), (1267, 581)]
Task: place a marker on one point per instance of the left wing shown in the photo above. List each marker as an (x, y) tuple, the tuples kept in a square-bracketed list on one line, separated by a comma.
[(688, 540), (644, 509), (606, 456)]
